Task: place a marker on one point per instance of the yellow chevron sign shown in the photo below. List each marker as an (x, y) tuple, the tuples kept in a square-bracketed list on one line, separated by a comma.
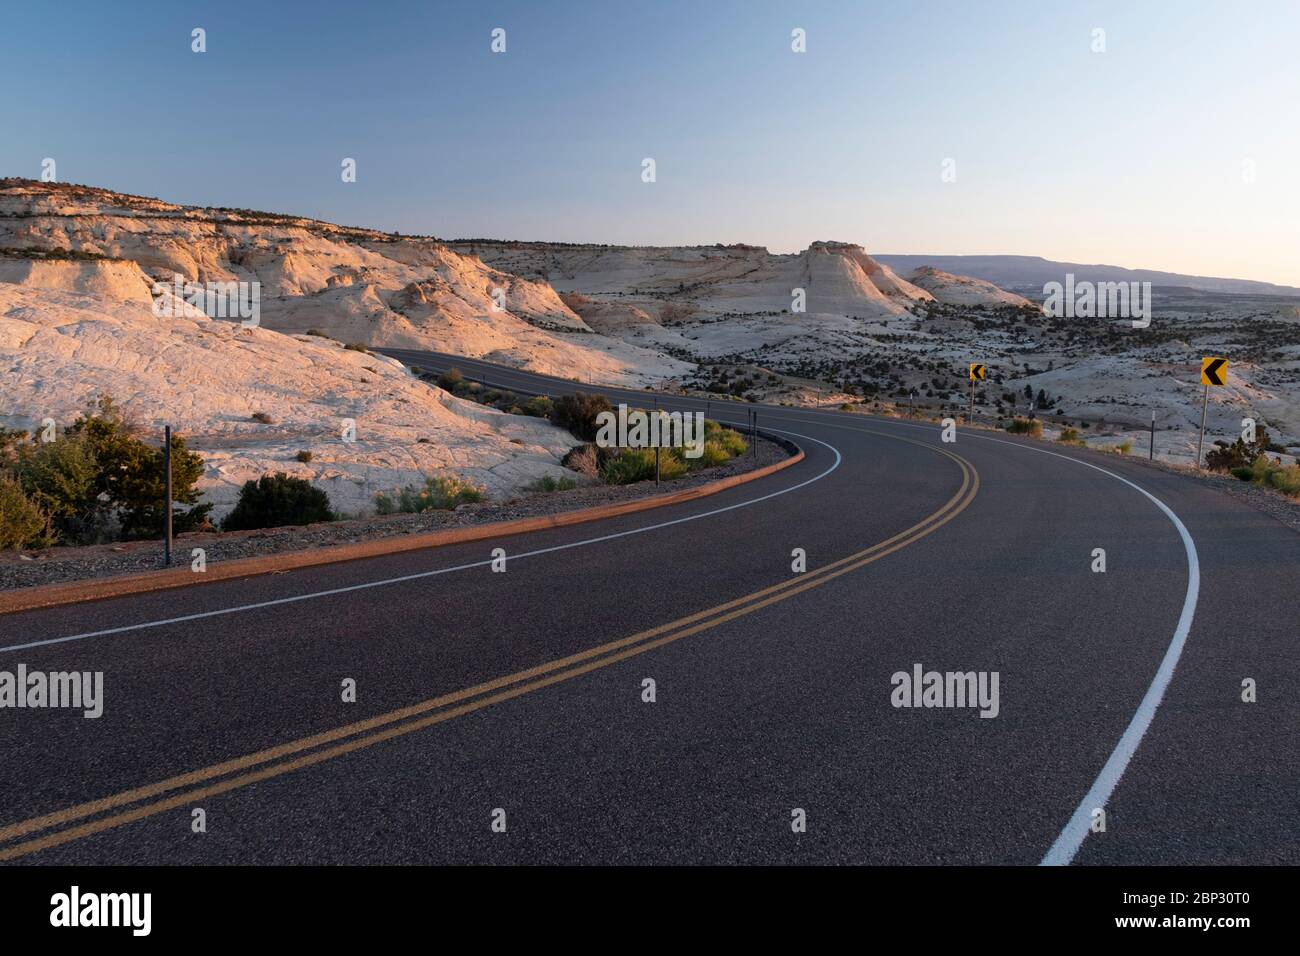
[(1214, 370), (976, 372)]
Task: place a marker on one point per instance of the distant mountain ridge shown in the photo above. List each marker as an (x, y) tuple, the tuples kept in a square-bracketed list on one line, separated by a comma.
[(1034, 271)]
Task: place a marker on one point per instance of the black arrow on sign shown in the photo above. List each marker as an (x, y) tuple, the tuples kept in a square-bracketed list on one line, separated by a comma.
[(1213, 371)]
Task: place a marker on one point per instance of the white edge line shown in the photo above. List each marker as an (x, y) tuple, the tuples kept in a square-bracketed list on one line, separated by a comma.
[(1076, 830), (428, 574)]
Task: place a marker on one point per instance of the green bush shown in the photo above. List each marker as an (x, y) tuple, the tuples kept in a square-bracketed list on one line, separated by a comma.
[(98, 481), (276, 500), (577, 413), (132, 476), (60, 476), (439, 493), (539, 406), (1239, 454), (1069, 436), (1271, 473), (549, 483), (10, 440), (451, 380), (23, 523), (1026, 426), (728, 439), (638, 464)]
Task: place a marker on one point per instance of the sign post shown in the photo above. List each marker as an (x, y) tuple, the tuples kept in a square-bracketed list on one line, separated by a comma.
[(1214, 371), (167, 503), (976, 374)]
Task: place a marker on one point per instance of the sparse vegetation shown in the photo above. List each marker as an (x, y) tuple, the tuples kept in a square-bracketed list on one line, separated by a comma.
[(585, 459), (262, 418), (23, 523), (539, 406), (276, 500), (439, 493), (624, 466), (577, 413), (1271, 473), (549, 483), (1026, 426), (99, 482), (451, 380), (1240, 454), (304, 456)]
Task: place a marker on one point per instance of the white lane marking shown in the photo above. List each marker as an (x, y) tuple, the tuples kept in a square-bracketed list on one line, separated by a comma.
[(428, 574), (1076, 830)]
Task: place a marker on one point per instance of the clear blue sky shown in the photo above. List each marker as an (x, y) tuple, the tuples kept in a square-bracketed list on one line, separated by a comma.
[(1134, 156)]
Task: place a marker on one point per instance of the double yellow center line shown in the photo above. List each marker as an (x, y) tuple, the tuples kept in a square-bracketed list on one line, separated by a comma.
[(188, 788)]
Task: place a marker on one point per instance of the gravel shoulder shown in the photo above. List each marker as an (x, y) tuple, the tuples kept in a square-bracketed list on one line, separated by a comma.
[(56, 565)]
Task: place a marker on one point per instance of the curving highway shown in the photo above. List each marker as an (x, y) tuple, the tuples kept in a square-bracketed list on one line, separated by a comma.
[(518, 698)]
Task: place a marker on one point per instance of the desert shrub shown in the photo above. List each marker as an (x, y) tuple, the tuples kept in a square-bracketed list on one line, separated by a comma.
[(451, 380), (1224, 457), (304, 456), (548, 483), (98, 481), (275, 500), (577, 413), (1271, 473), (1026, 426), (60, 477), (11, 439), (23, 523), (438, 493), (720, 445), (584, 459), (1069, 436), (1123, 448), (357, 347), (1243, 473), (714, 454), (263, 418), (728, 439), (671, 313), (539, 406), (638, 464)]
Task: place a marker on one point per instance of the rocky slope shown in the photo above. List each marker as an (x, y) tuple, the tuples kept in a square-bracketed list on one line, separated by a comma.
[(963, 290), (357, 285), (208, 378)]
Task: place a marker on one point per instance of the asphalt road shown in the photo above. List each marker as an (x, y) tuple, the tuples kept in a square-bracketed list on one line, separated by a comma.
[(522, 692)]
